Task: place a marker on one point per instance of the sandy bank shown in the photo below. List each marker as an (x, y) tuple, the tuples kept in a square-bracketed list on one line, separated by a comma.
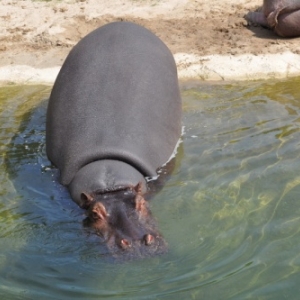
[(211, 67), (210, 39)]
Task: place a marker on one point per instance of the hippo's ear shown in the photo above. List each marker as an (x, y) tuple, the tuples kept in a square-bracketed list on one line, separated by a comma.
[(138, 188), (140, 202), (86, 200)]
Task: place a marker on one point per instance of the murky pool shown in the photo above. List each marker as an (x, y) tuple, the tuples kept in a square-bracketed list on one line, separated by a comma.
[(230, 212)]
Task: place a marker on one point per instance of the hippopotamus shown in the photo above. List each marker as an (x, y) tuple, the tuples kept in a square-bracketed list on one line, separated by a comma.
[(113, 119), (283, 16)]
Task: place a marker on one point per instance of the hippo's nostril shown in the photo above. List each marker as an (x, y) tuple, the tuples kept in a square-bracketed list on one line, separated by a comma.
[(125, 244), (149, 239)]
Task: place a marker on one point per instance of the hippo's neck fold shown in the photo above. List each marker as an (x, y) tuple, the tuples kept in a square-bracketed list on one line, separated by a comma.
[(104, 175), (94, 154)]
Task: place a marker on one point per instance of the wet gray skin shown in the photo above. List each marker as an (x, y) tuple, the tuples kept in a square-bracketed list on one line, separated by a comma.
[(123, 219)]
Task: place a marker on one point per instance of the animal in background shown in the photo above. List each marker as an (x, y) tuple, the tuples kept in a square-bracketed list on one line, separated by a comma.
[(282, 16)]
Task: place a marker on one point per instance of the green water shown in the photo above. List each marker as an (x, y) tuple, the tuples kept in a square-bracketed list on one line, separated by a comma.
[(230, 212)]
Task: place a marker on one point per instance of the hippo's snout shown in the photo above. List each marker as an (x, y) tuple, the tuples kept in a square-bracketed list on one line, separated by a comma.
[(124, 220)]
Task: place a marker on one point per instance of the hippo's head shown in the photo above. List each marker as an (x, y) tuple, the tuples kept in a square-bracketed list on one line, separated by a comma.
[(123, 219)]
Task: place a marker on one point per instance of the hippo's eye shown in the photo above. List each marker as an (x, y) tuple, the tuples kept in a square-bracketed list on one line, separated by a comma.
[(98, 212), (95, 215)]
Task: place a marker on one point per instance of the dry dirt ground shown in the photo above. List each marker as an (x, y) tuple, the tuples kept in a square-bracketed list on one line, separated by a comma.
[(207, 37)]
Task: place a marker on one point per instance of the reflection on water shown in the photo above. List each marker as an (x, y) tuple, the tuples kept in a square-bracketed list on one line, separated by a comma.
[(230, 212)]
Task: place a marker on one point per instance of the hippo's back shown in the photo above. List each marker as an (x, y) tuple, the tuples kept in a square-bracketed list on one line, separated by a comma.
[(116, 97)]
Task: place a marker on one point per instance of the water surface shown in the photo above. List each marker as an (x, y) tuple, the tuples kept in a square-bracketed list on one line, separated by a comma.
[(230, 212)]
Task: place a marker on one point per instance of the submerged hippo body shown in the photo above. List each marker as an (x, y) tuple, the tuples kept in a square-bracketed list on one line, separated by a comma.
[(114, 117), (283, 16)]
